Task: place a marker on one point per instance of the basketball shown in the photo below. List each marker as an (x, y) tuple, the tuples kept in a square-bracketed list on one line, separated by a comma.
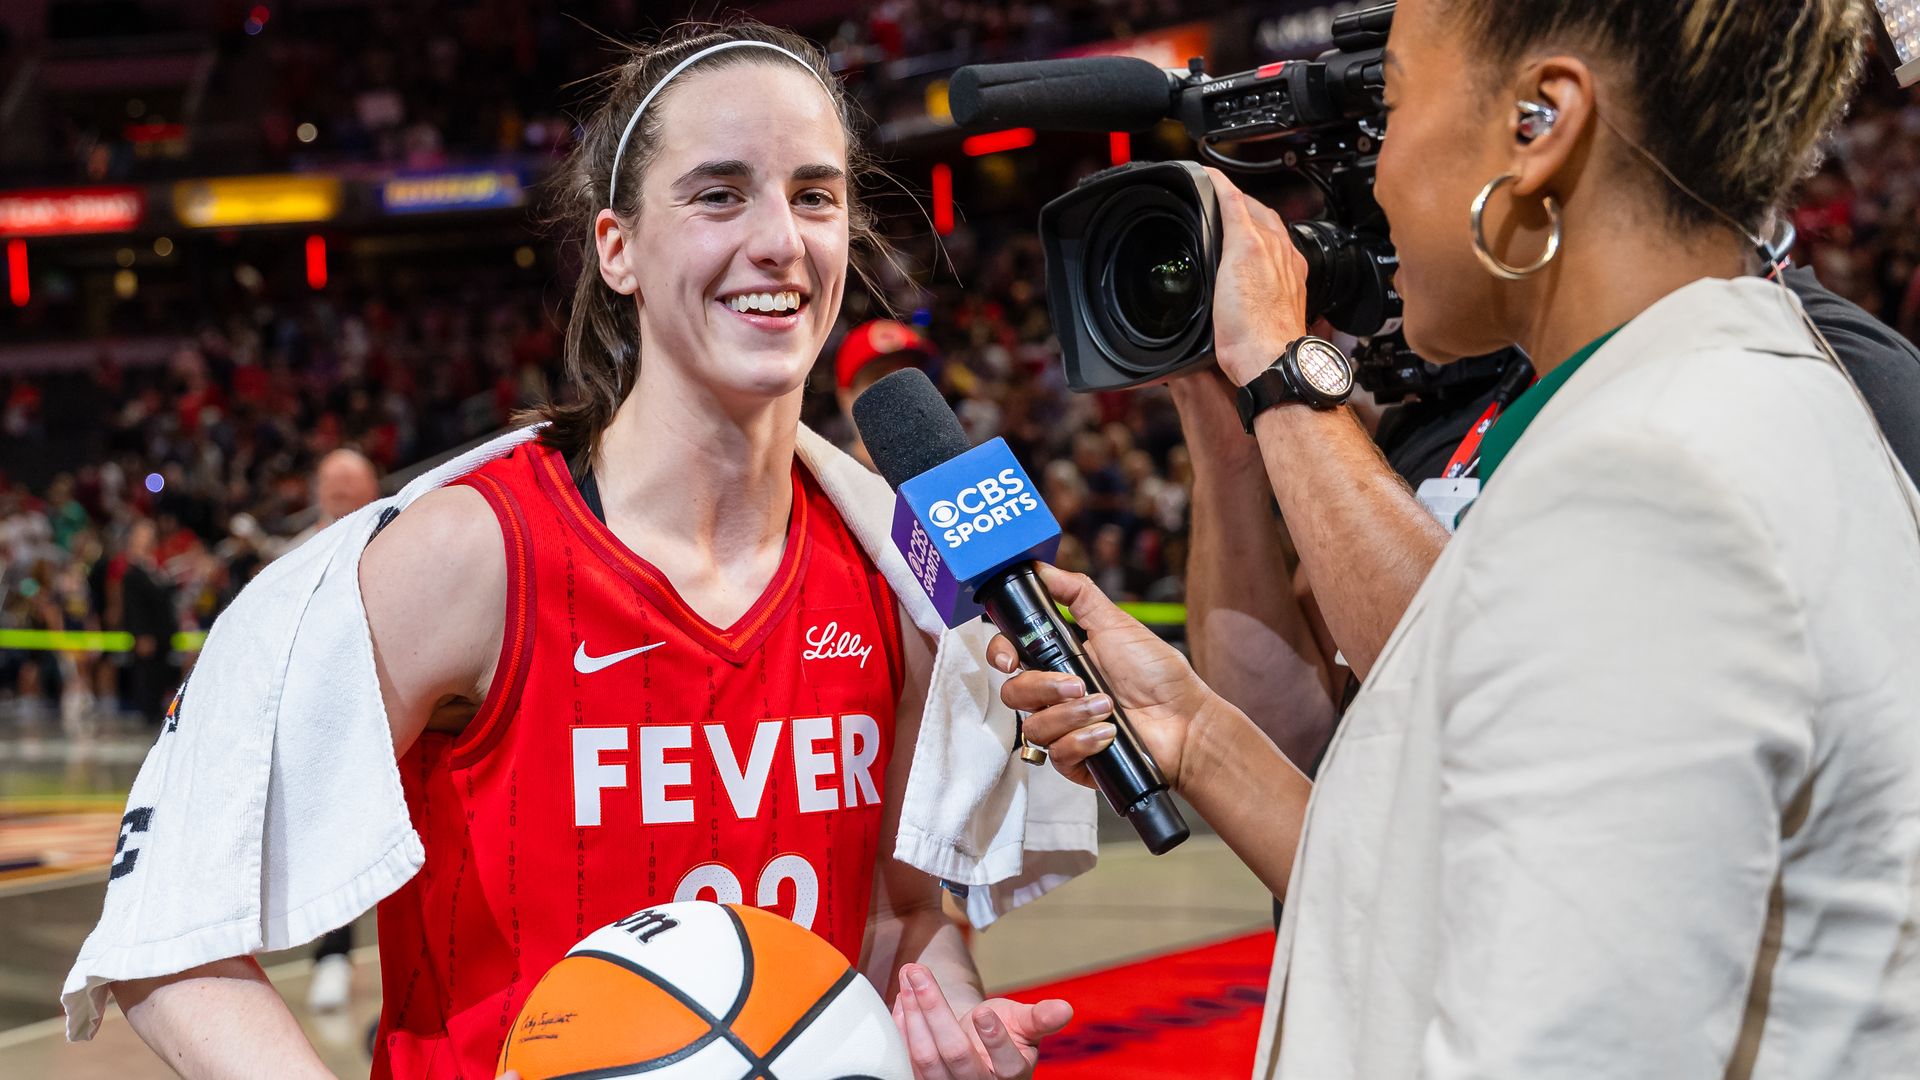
[(697, 990)]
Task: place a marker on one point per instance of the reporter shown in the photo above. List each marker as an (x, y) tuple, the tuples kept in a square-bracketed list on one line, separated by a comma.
[(1632, 788)]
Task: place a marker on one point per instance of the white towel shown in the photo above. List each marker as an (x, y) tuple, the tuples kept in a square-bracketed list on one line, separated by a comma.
[(270, 809)]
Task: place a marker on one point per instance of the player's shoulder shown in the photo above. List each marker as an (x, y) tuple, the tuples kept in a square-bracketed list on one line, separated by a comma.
[(434, 585), (443, 544)]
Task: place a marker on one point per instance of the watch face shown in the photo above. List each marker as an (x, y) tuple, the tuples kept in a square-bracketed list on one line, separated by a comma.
[(1324, 368)]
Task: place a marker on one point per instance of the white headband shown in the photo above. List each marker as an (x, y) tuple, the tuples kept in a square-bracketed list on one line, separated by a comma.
[(613, 182)]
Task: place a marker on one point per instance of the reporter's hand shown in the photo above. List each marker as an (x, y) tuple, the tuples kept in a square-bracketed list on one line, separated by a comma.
[(1260, 293), (1153, 682)]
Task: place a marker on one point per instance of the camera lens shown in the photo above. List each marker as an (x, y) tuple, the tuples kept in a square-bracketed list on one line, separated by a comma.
[(1155, 278), (1349, 277), (1131, 255)]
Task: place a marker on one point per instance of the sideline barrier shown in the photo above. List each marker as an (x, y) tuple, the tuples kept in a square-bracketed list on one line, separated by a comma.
[(100, 641)]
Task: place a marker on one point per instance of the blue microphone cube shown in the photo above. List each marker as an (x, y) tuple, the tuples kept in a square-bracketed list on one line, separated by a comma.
[(967, 519)]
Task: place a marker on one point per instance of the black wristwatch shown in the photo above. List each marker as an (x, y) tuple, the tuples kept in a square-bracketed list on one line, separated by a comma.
[(1312, 372)]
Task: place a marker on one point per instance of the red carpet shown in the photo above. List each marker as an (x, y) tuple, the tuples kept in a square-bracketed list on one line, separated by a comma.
[(1192, 1014)]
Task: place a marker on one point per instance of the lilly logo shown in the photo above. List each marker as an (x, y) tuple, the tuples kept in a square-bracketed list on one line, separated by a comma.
[(829, 642)]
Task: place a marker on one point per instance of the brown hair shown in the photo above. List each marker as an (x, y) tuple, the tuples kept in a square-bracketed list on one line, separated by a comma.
[(602, 357), (1735, 97)]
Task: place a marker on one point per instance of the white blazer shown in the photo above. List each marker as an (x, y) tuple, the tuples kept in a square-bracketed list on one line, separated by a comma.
[(1634, 789)]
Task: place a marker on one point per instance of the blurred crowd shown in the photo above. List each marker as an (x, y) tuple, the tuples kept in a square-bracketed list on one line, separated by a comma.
[(501, 78), (1112, 467), (421, 84), (1859, 218), (206, 467), (209, 465)]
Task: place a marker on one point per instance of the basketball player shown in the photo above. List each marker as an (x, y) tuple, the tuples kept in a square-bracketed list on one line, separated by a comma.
[(693, 690)]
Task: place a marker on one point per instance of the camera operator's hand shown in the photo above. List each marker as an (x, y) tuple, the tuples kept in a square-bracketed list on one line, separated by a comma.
[(1164, 699), (1260, 293)]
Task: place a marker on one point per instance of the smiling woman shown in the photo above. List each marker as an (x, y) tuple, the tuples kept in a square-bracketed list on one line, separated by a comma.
[(675, 514), (616, 184), (647, 652)]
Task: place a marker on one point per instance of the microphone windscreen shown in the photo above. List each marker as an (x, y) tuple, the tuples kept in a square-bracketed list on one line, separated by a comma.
[(907, 426), (1096, 93)]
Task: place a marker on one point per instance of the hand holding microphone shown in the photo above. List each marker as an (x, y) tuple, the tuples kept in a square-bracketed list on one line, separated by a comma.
[(1154, 684)]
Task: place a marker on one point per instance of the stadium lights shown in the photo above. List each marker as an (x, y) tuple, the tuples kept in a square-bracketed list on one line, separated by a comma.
[(1902, 21), (943, 199), (317, 261), (18, 288), (997, 142)]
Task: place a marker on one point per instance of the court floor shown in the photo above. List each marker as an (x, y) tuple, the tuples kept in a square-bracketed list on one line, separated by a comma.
[(59, 813)]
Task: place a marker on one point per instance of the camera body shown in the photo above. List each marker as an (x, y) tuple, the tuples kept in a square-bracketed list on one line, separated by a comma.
[(1132, 251)]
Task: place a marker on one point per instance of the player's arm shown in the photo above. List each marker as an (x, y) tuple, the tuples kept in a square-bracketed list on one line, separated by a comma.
[(917, 955), (434, 585), (908, 924), (219, 1021)]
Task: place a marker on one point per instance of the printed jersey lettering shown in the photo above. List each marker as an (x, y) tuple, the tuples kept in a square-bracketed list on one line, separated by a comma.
[(829, 642), (823, 748), (784, 874), (628, 754)]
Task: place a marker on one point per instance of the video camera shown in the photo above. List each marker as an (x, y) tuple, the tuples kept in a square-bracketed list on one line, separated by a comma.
[(1132, 251)]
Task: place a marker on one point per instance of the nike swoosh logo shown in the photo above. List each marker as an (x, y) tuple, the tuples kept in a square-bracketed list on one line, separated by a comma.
[(587, 665)]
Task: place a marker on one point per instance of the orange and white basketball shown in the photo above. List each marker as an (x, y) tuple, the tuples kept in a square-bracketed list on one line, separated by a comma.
[(702, 991)]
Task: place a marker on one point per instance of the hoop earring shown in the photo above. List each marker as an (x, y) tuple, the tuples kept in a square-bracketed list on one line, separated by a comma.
[(1491, 261)]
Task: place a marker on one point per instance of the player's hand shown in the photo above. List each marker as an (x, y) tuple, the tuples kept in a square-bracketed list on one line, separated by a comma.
[(1260, 292), (998, 1039), (1154, 684)]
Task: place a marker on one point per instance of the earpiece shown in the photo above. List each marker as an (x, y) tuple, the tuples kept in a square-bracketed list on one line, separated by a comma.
[(1536, 120)]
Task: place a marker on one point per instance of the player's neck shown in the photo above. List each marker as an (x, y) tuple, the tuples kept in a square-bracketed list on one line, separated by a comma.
[(688, 470)]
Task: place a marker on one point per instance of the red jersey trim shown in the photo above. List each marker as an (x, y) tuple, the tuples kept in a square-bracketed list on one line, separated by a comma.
[(891, 631), (516, 635), (735, 642)]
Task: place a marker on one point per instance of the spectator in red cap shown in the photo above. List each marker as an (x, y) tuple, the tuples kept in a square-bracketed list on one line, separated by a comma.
[(869, 351)]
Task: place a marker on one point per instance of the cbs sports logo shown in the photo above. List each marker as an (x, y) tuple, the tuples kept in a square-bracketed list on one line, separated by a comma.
[(983, 506)]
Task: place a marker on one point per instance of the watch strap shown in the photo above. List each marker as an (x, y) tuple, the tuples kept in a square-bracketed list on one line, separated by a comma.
[(1274, 386)]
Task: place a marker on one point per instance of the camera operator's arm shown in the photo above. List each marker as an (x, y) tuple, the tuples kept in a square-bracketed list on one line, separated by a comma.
[(1249, 638), (1364, 539)]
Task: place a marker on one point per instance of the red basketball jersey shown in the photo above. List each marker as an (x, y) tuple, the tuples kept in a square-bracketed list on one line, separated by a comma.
[(629, 753)]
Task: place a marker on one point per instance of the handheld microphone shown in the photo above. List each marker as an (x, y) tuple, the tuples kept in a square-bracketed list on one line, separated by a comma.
[(971, 526), (1096, 93)]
